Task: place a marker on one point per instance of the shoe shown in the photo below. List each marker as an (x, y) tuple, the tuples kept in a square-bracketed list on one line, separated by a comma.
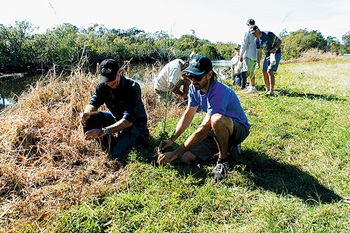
[(270, 93), (251, 90), (220, 170)]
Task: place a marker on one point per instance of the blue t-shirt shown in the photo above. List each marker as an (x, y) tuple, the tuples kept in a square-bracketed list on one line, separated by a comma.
[(219, 99)]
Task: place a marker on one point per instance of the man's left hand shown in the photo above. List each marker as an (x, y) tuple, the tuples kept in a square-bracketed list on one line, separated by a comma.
[(166, 157)]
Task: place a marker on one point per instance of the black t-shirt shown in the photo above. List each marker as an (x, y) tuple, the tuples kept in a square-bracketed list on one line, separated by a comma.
[(123, 102), (266, 42)]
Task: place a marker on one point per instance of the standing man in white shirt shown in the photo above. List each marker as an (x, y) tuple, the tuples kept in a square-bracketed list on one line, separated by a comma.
[(249, 56)]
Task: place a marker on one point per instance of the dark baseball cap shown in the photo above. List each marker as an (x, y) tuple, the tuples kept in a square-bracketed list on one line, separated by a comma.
[(253, 29), (251, 21), (108, 70), (199, 65)]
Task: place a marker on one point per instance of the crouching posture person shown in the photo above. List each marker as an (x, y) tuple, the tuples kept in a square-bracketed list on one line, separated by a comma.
[(224, 127), (126, 124)]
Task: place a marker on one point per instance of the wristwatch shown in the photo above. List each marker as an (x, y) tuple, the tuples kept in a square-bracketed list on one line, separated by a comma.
[(106, 131)]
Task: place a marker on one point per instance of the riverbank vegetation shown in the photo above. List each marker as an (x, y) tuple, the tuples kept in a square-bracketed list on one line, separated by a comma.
[(293, 175), (62, 48)]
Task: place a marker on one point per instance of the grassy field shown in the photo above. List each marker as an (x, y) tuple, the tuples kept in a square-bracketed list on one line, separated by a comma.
[(293, 175)]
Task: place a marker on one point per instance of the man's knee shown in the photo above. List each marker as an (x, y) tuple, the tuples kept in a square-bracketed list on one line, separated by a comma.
[(219, 120)]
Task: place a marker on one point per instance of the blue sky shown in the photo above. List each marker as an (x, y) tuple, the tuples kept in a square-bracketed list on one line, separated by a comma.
[(219, 20)]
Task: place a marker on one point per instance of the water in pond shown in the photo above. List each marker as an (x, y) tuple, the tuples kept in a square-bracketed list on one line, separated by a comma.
[(11, 88)]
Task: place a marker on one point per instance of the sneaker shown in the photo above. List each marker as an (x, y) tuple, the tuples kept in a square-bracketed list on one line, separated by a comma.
[(251, 90), (220, 170), (270, 93)]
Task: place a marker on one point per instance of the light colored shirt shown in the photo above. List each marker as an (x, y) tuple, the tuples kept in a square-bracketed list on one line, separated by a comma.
[(248, 48), (169, 76)]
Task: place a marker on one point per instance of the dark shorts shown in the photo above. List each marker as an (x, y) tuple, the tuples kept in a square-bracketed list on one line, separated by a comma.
[(208, 147), (278, 57)]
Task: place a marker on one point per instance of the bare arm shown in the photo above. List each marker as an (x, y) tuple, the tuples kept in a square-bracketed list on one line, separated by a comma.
[(176, 88), (114, 128), (89, 109), (195, 138), (278, 43), (182, 125), (119, 125), (258, 58), (184, 122)]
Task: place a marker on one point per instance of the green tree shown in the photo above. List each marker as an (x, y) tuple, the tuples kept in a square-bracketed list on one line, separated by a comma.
[(226, 51), (210, 51), (16, 47), (346, 42), (297, 42)]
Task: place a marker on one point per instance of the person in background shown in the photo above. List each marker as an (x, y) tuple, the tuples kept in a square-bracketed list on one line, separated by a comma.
[(169, 80), (223, 128), (249, 56), (271, 46), (126, 124), (238, 70)]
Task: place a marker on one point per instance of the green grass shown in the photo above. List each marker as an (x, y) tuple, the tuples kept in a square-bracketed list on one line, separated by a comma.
[(292, 176)]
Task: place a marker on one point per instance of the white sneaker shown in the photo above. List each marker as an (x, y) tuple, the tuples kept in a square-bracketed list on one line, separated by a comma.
[(220, 170), (252, 89)]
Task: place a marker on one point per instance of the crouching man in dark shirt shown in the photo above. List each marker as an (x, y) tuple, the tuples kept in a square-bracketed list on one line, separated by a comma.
[(125, 125)]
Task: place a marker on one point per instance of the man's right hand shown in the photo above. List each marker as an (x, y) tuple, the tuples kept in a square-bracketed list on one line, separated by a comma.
[(166, 157), (84, 117)]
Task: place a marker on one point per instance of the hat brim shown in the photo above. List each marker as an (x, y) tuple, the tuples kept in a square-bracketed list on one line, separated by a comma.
[(104, 79), (193, 70)]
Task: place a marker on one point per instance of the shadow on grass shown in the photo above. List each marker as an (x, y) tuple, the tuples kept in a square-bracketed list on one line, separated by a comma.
[(265, 172), (289, 93), (147, 153), (284, 178)]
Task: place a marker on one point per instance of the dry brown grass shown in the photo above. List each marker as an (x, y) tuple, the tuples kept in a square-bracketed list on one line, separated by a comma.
[(314, 55), (45, 163)]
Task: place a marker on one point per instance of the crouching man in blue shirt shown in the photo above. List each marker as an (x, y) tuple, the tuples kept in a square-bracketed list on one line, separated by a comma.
[(224, 127), (126, 124)]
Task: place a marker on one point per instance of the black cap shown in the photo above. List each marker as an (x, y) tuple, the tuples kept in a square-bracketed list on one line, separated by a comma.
[(253, 29), (108, 70), (251, 21), (199, 65)]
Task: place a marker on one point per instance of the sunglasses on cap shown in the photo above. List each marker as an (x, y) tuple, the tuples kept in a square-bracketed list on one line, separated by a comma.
[(106, 71), (196, 78)]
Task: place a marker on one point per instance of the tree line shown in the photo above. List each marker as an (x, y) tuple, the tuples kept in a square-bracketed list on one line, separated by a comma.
[(66, 46)]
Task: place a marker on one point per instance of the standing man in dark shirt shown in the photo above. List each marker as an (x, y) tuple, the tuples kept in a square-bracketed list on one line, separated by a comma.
[(271, 45), (126, 123)]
